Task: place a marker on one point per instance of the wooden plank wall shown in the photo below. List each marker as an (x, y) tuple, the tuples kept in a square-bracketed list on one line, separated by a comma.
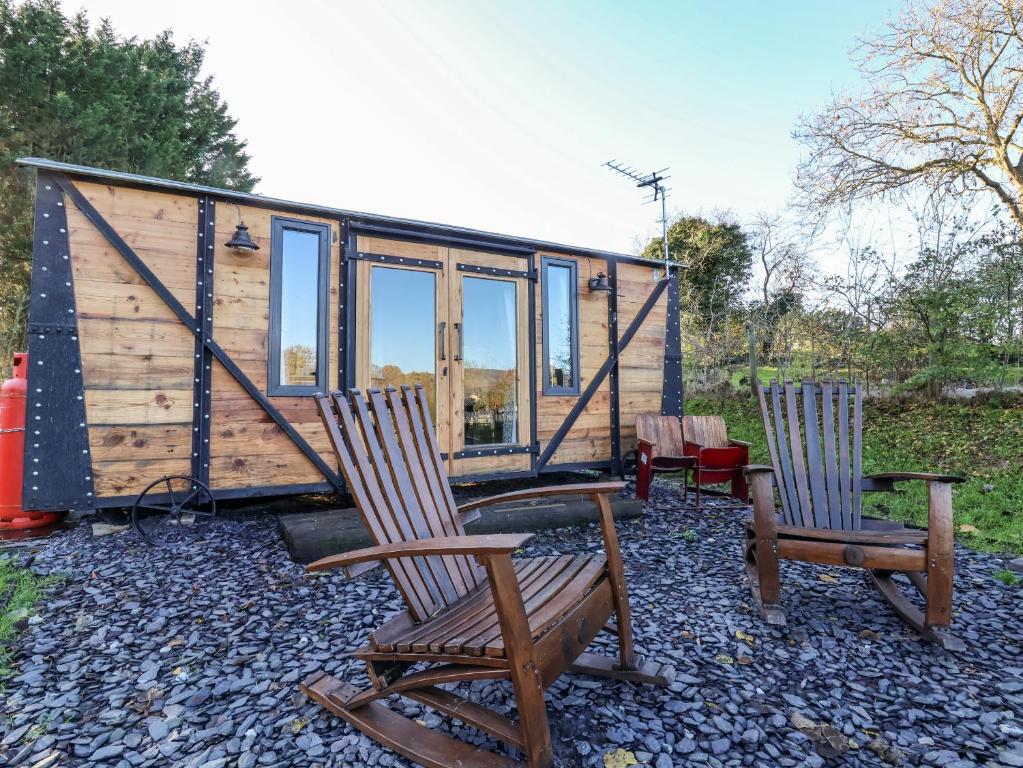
[(137, 357), (641, 367), (247, 449), (589, 439)]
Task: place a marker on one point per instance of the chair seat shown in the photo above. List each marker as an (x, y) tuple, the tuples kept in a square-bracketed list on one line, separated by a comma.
[(879, 532), (551, 586)]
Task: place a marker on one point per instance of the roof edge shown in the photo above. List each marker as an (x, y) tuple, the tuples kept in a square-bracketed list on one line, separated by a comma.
[(132, 179)]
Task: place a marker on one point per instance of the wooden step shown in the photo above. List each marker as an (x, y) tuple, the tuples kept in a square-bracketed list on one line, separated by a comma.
[(312, 535), (418, 743)]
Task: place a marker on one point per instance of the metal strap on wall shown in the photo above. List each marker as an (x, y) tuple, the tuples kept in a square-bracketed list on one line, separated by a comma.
[(405, 261), (672, 392), (612, 351), (203, 369), (214, 348), (494, 450), (529, 274), (601, 374), (531, 303), (58, 463), (346, 313)]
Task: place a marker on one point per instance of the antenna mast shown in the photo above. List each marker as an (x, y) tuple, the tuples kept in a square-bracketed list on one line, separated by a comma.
[(652, 182)]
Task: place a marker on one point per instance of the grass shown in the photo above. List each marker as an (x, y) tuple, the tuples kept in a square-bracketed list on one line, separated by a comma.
[(980, 441), (1007, 577), (19, 590)]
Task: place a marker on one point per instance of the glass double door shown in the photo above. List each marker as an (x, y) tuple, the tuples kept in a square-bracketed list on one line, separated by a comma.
[(450, 323)]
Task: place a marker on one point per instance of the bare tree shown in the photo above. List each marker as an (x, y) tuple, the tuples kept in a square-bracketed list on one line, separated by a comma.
[(782, 245), (942, 107)]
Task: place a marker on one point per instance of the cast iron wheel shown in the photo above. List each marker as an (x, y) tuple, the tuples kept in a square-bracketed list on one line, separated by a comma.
[(171, 508)]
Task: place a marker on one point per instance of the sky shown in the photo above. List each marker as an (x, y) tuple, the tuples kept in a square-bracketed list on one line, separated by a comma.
[(498, 116)]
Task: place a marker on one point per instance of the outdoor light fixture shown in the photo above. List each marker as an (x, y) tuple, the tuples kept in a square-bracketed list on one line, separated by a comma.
[(599, 283), (241, 240)]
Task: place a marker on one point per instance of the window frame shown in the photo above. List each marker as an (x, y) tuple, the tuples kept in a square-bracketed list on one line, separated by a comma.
[(278, 225), (573, 267)]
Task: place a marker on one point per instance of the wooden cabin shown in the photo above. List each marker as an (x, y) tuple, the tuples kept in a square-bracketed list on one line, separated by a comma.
[(160, 345)]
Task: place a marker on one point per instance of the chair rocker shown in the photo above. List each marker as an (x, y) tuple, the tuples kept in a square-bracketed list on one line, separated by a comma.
[(525, 620), (821, 521)]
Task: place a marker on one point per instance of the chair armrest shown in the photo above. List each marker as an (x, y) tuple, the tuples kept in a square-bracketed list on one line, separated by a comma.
[(647, 443), (930, 477), (575, 489), (481, 546), (742, 443)]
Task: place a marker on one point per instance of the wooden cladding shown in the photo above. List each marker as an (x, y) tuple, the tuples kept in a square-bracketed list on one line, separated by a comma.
[(139, 353)]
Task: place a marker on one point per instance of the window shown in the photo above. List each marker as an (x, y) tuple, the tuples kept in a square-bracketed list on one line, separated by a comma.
[(560, 327), (299, 266)]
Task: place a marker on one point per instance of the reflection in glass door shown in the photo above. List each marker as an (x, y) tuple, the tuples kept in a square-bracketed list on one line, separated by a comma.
[(403, 319), (488, 348)]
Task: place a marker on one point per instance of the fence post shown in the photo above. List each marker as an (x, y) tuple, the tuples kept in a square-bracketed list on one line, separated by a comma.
[(753, 378)]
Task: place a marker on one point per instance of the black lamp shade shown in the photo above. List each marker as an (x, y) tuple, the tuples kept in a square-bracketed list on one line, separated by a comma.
[(241, 239), (599, 283)]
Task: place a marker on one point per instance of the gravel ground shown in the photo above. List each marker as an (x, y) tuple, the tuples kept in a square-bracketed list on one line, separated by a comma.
[(190, 655)]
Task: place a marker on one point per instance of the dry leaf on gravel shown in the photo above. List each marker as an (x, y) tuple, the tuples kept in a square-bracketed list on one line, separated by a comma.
[(829, 741), (620, 758)]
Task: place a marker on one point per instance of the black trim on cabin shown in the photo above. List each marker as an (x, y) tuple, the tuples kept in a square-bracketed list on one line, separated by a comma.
[(342, 299), (531, 304), (278, 225), (404, 261), (573, 301), (601, 374), (349, 268), (528, 274), (202, 372), (58, 471), (493, 450), (143, 271), (673, 388), (613, 384)]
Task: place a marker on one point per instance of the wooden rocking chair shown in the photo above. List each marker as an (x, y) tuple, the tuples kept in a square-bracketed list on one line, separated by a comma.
[(821, 520), (525, 620)]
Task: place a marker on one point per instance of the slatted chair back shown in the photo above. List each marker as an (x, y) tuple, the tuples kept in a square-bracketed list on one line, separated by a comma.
[(705, 431), (663, 432), (388, 453), (816, 447)]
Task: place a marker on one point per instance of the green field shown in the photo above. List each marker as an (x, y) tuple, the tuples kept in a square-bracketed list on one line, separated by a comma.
[(1006, 377), (982, 442)]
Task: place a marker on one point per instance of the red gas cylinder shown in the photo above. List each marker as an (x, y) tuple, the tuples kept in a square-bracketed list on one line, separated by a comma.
[(12, 451)]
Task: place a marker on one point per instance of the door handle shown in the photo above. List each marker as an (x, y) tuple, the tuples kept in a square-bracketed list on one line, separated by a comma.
[(442, 335), (461, 342)]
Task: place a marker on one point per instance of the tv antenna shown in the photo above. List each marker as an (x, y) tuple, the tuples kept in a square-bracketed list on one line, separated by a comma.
[(653, 184)]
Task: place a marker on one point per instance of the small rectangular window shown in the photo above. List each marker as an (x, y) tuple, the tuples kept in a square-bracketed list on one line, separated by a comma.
[(299, 294), (560, 326)]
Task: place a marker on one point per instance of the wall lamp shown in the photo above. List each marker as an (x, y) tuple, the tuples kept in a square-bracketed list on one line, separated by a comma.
[(599, 283), (241, 240)]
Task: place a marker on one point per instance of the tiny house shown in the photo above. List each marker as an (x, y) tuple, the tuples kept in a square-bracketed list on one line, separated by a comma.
[(177, 329)]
